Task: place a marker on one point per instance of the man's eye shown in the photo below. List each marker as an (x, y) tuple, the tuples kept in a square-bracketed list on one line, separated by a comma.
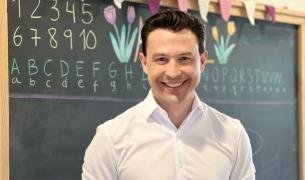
[(185, 58), (161, 59)]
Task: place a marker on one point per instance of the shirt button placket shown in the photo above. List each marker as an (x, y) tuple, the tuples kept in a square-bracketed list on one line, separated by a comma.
[(180, 171)]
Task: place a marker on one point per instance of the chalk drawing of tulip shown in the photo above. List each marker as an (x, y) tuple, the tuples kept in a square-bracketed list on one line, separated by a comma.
[(139, 41), (215, 33), (110, 14), (121, 43), (222, 47)]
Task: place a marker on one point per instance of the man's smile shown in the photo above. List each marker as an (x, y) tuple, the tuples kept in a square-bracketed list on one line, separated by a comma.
[(174, 84)]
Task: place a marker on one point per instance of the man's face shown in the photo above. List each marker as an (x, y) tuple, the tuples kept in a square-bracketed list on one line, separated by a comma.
[(173, 65)]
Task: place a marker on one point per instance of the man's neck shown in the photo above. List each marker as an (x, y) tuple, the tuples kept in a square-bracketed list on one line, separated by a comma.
[(178, 112)]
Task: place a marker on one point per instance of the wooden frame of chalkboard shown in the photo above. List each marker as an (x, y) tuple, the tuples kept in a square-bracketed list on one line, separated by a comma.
[(4, 118), (283, 16)]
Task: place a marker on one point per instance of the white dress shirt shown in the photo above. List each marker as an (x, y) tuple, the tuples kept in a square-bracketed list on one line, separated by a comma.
[(143, 144)]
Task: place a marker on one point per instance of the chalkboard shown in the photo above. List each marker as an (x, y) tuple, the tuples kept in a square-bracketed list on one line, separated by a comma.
[(66, 78)]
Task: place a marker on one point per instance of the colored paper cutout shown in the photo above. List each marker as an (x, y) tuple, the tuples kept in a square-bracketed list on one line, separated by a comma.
[(118, 3), (204, 9), (250, 10), (183, 6), (271, 12), (225, 9), (154, 6)]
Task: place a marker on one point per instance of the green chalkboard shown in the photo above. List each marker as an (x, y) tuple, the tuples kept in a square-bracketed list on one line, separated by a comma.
[(66, 77)]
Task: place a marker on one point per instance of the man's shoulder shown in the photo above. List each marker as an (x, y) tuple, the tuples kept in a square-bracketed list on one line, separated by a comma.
[(220, 120), (122, 122)]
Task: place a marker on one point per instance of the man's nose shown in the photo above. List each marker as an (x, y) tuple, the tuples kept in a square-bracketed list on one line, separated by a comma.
[(173, 69)]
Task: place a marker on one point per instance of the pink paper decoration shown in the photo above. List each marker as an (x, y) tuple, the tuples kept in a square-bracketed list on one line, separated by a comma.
[(154, 6), (271, 12), (183, 5), (225, 9)]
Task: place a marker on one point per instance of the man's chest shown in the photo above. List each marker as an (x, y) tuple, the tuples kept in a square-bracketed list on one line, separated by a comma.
[(174, 159)]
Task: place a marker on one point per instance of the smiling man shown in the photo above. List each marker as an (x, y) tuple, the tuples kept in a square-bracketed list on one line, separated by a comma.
[(171, 134)]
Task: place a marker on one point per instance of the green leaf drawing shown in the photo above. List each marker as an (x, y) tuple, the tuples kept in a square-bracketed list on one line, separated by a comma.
[(122, 42), (227, 41), (222, 50), (131, 43), (218, 54), (222, 44), (115, 45), (229, 50), (224, 60)]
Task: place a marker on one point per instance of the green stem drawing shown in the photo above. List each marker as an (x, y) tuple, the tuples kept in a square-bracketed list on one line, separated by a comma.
[(117, 33), (128, 32)]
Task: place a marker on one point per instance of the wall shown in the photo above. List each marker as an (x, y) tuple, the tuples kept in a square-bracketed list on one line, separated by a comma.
[(297, 5)]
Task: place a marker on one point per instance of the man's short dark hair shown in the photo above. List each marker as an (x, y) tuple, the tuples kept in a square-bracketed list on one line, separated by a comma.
[(174, 20)]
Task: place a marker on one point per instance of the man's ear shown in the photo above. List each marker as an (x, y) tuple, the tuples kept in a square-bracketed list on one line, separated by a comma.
[(143, 62), (203, 60)]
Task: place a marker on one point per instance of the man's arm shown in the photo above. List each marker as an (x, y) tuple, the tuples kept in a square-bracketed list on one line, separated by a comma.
[(243, 167), (99, 163)]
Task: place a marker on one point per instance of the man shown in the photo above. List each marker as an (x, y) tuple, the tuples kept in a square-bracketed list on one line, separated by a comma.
[(171, 135)]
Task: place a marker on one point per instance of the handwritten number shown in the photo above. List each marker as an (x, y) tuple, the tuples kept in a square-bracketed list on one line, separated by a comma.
[(89, 39), (71, 11), (17, 38), (56, 10), (88, 13), (19, 8), (32, 15), (86, 39), (68, 34), (52, 33)]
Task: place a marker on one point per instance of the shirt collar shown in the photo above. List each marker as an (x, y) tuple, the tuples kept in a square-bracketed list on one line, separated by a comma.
[(197, 104), (150, 105)]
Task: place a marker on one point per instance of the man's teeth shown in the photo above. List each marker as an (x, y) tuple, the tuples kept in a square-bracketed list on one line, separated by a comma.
[(173, 85)]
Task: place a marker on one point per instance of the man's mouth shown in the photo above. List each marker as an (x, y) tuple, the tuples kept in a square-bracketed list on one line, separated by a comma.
[(173, 84)]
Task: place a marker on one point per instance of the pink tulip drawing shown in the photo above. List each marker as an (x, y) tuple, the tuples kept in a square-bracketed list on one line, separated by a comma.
[(110, 14), (130, 18), (131, 14)]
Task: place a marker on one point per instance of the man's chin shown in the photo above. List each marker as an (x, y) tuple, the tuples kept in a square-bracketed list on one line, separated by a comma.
[(173, 99)]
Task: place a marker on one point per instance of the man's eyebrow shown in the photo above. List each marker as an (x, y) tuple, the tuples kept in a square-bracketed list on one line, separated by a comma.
[(186, 54), (158, 55)]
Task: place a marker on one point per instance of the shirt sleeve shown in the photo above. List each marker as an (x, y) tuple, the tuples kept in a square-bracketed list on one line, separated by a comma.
[(243, 167), (99, 158)]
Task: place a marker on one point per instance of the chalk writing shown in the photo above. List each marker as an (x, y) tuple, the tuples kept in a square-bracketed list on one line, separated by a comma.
[(86, 36), (236, 80)]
